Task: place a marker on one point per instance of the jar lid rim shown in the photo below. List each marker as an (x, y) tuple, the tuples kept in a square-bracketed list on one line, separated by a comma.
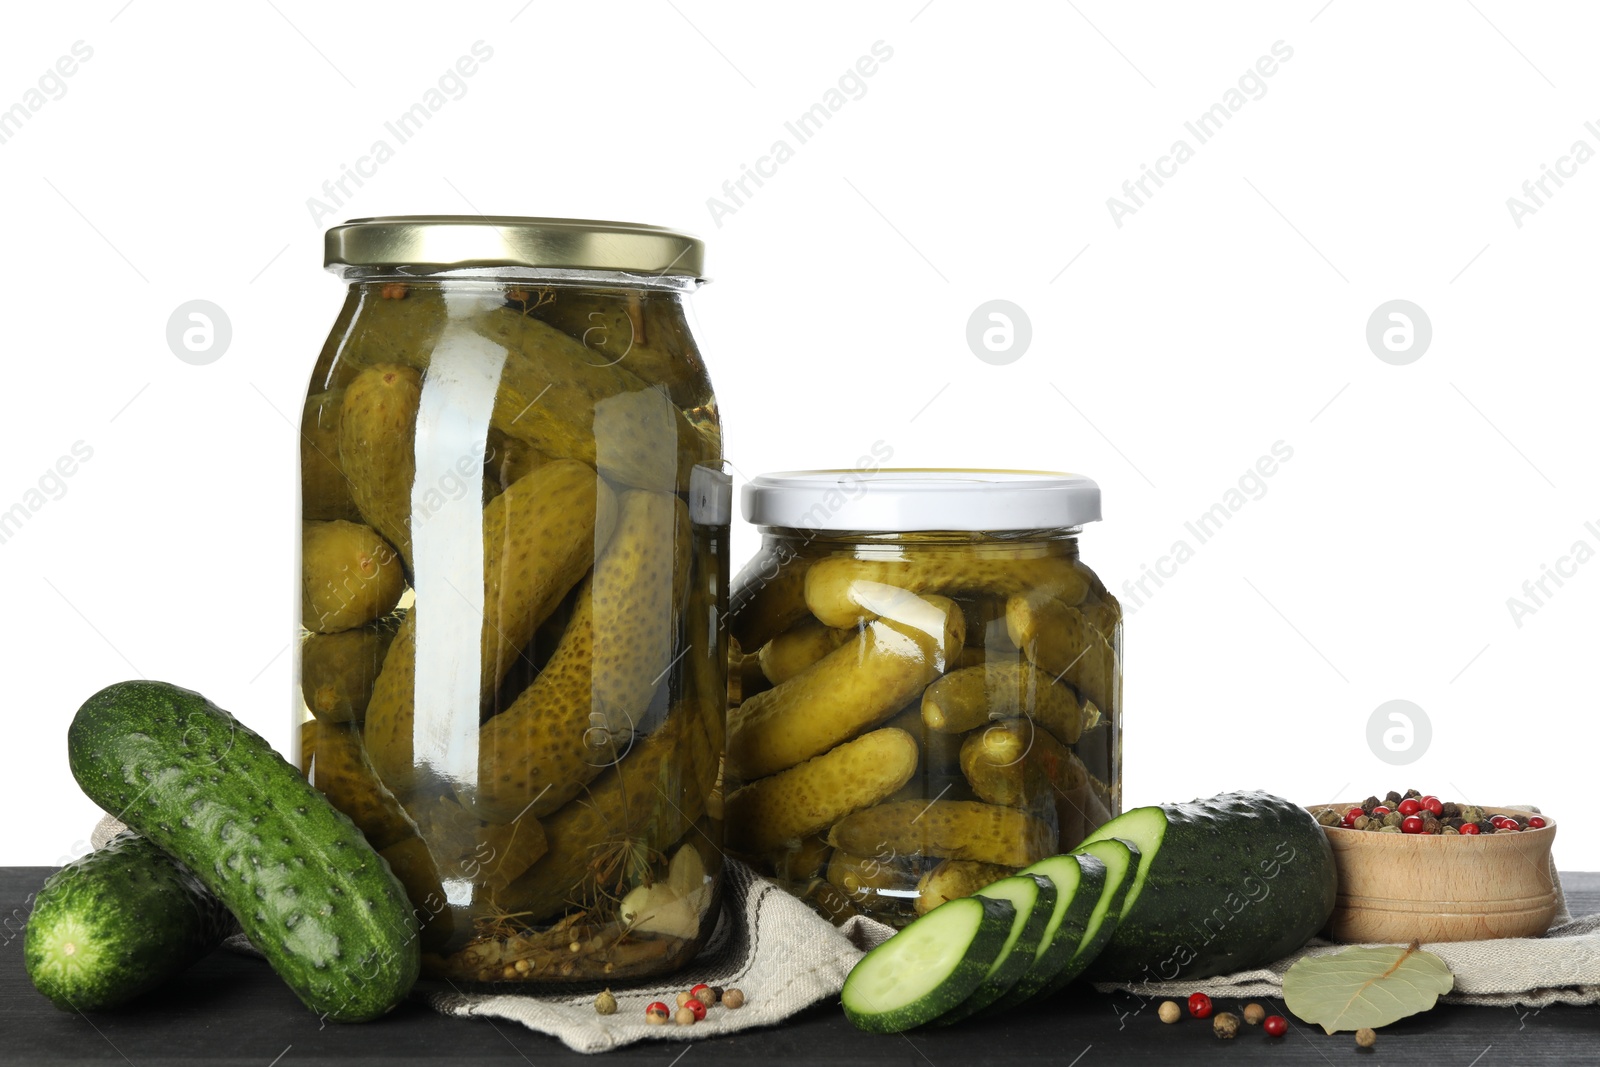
[(905, 500), (453, 241)]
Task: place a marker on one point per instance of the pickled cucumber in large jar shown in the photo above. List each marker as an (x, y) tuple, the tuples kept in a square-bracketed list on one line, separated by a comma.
[(929, 686), (512, 669)]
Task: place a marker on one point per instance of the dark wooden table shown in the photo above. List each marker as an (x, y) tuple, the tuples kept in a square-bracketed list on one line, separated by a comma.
[(231, 1009)]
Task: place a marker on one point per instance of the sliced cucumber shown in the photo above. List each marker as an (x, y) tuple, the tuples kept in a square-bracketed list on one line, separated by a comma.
[(1034, 898), (929, 967), (1078, 881), (1119, 858)]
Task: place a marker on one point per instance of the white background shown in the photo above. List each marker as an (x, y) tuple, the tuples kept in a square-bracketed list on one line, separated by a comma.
[(1228, 313)]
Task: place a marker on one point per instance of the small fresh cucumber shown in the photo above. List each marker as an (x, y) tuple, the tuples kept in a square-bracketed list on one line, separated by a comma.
[(1078, 882), (304, 883), (1224, 884), (1034, 898), (929, 967), (116, 923)]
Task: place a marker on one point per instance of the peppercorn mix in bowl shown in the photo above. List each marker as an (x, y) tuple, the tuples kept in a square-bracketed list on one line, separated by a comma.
[(1414, 868)]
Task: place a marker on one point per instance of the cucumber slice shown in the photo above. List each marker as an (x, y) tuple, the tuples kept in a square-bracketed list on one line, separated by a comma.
[(1119, 858), (929, 967), (1078, 881), (1034, 898)]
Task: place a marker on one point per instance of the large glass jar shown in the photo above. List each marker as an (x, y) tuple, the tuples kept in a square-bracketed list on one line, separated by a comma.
[(928, 682), (512, 673)]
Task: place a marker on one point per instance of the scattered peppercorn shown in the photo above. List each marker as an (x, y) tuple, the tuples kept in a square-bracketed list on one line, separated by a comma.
[(686, 1016), (656, 1013), (1254, 1013), (733, 998), (605, 1003), (1200, 1005), (1169, 1011), (684, 998), (1365, 1038), (1275, 1025), (698, 1007), (704, 994), (1225, 1025)]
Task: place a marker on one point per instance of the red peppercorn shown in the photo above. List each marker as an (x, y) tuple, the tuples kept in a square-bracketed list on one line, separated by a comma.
[(1433, 804), (698, 1006), (1469, 828), (1536, 823), (657, 1012), (1200, 1006), (1380, 810), (1411, 824), (1410, 806), (1275, 1025)]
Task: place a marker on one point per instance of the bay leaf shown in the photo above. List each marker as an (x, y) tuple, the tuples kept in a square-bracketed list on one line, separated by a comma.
[(1365, 986)]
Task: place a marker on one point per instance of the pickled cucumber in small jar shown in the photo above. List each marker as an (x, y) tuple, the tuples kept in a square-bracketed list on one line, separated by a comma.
[(512, 665), (928, 682)]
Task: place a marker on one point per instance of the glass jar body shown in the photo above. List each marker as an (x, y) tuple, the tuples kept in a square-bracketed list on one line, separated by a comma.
[(918, 714), (511, 672)]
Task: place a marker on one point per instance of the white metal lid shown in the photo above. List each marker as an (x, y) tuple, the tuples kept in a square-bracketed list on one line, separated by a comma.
[(903, 500)]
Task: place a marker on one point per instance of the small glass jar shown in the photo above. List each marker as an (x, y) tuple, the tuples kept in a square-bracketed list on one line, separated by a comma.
[(512, 670), (928, 684)]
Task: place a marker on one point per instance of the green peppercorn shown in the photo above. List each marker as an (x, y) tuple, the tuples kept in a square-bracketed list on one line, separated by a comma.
[(1450, 831), (1472, 813), (1394, 819), (1361, 822), (1389, 830), (1329, 817)]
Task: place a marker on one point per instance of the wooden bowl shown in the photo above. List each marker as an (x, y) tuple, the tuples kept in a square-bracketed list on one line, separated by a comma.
[(1405, 887)]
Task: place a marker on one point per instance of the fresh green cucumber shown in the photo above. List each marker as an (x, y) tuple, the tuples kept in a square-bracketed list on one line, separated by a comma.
[(1078, 881), (305, 885), (929, 967), (1034, 898), (117, 922), (1224, 884)]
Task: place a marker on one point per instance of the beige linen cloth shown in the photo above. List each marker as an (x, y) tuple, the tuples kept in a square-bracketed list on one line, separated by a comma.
[(785, 958)]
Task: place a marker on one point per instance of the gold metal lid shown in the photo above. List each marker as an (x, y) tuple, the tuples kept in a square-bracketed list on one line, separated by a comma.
[(450, 242)]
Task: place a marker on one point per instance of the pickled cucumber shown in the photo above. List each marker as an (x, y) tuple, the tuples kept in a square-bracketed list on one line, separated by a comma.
[(976, 696), (340, 770), (863, 878), (812, 796), (952, 829), (644, 332), (539, 538), (768, 600), (941, 752), (798, 862), (324, 490), (557, 398), (506, 459), (640, 806), (469, 849), (1017, 764), (413, 864), (842, 591), (377, 436), (852, 689), (337, 670), (798, 648), (1065, 645), (954, 879), (581, 711), (349, 576)]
